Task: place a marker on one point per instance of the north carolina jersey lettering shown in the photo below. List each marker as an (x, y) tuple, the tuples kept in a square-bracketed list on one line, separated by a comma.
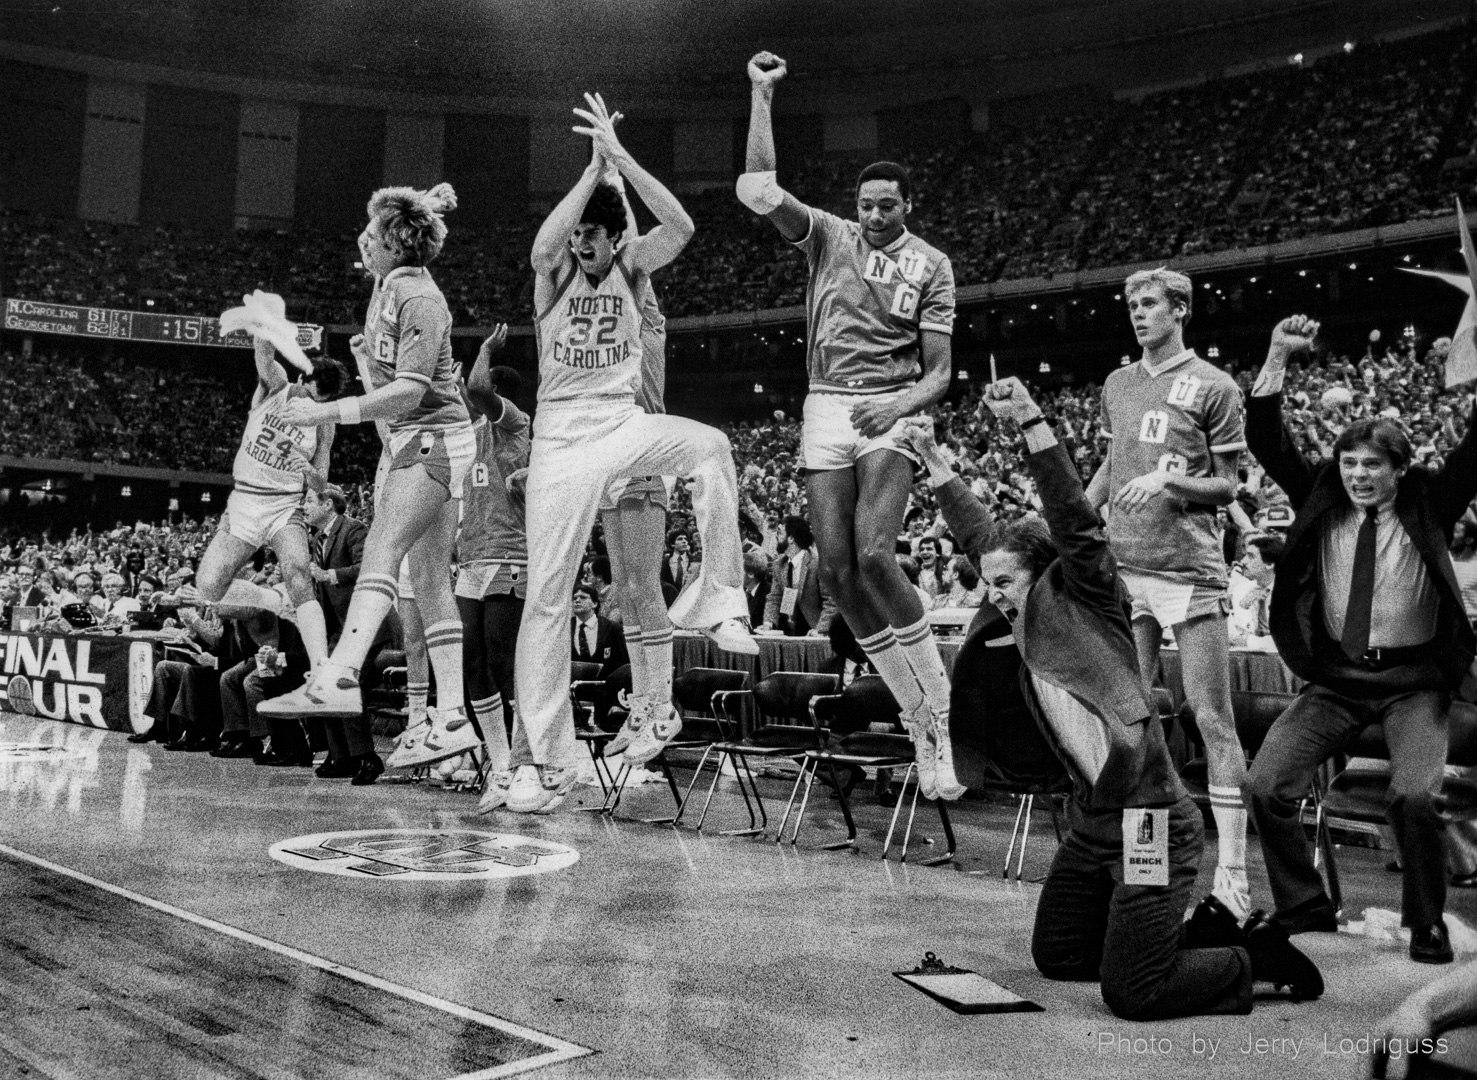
[(492, 519), (589, 339), (408, 334), (265, 461), (1173, 419), (867, 308)]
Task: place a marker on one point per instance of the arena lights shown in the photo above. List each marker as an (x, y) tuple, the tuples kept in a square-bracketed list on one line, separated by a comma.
[(1353, 266), (758, 388), (1213, 353), (1124, 361), (205, 496), (1348, 47), (127, 492), (1045, 368), (1302, 273), (963, 375), (1296, 59)]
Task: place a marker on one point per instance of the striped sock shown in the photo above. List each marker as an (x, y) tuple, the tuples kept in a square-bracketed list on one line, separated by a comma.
[(1230, 827), (922, 652), (374, 595), (656, 645), (489, 715), (444, 644), (887, 657)]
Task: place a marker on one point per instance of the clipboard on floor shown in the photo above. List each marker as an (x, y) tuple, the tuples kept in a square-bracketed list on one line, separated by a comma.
[(965, 992)]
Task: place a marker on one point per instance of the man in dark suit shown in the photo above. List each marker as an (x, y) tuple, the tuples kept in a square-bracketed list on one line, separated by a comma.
[(337, 552), (1366, 609), (1103, 913), (25, 584), (797, 605), (681, 565), (594, 638), (756, 586)]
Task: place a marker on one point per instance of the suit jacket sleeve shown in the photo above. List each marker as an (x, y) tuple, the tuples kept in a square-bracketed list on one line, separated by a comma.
[(355, 533), (1272, 444), (1456, 485), (965, 516), (1089, 567), (778, 576)]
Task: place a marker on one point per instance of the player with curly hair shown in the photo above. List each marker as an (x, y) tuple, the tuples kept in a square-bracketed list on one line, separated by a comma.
[(406, 348)]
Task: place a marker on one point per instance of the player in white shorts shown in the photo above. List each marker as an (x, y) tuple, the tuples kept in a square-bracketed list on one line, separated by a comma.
[(1177, 430), (589, 432), (416, 390), (277, 457), (879, 313)]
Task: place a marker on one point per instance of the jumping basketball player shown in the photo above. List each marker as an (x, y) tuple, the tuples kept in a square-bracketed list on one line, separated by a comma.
[(407, 335), (880, 312), (590, 432)]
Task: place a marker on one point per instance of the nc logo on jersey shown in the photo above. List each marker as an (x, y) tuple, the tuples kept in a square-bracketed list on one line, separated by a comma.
[(1183, 390), (880, 269), (912, 265), (423, 854), (1154, 427)]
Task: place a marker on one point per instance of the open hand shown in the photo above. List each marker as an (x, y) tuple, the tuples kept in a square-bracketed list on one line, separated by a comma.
[(600, 126), (494, 343)]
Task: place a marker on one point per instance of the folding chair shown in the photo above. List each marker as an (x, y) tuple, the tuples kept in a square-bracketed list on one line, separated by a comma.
[(854, 715), (590, 699), (786, 729), (701, 696)]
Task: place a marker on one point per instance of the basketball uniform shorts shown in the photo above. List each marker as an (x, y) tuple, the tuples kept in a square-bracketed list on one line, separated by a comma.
[(828, 438), (1171, 601), (255, 519)]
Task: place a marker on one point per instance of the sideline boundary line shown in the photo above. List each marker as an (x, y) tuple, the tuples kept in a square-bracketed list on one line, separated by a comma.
[(559, 1049)]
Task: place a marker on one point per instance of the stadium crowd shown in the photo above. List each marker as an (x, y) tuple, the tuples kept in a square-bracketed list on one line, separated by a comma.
[(1371, 137)]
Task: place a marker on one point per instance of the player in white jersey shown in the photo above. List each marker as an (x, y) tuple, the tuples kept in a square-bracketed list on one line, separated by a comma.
[(276, 459), (407, 349), (880, 312), (1177, 428), (589, 432)]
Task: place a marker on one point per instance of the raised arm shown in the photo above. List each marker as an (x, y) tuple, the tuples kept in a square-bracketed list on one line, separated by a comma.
[(674, 228), (270, 375), (967, 518), (757, 188), (1458, 477), (482, 393), (1268, 437), (551, 245)]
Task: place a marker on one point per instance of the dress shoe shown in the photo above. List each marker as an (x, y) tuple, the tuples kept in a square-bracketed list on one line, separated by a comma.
[(152, 735), (276, 759), (200, 745), (176, 744), (1311, 916), (1464, 881), (1212, 926), (238, 748), (1430, 945), (370, 767), (337, 768), (1275, 959)]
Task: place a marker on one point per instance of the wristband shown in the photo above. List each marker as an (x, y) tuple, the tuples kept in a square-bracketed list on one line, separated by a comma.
[(1039, 418), (348, 411)]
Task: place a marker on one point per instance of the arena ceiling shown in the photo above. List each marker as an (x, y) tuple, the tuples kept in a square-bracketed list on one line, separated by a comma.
[(545, 49)]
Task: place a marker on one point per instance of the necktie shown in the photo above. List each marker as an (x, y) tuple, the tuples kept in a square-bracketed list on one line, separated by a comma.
[(584, 643), (1355, 639)]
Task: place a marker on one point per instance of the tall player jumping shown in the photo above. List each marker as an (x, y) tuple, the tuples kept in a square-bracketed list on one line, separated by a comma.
[(589, 432), (277, 457), (407, 335), (880, 312), (1177, 428)]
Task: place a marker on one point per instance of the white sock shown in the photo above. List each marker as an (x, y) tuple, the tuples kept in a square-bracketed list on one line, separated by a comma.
[(489, 713), (923, 656), (444, 644), (314, 631), (1230, 826), (418, 696), (887, 657), (374, 595), (640, 676), (657, 647)]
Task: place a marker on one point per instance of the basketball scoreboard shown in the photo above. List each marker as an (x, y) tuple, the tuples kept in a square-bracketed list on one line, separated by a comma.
[(46, 317)]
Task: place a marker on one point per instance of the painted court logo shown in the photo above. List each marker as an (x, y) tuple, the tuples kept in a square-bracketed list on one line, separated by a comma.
[(423, 854)]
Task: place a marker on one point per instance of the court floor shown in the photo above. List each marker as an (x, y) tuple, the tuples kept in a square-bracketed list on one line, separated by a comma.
[(176, 915)]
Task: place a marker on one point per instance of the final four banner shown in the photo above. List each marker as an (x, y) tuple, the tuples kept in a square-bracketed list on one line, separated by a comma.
[(103, 682)]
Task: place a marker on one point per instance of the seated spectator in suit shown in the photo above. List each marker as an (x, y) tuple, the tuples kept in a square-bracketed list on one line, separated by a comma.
[(756, 586), (30, 593), (797, 605), (185, 697), (681, 565), (337, 551), (279, 663), (1252, 604), (118, 607), (594, 638)]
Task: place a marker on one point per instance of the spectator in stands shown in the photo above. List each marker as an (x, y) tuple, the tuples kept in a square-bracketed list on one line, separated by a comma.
[(1251, 626), (798, 606), (964, 587), (930, 570), (756, 586), (680, 566)]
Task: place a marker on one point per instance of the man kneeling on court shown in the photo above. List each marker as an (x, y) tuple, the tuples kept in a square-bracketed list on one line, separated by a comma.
[(1113, 906)]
